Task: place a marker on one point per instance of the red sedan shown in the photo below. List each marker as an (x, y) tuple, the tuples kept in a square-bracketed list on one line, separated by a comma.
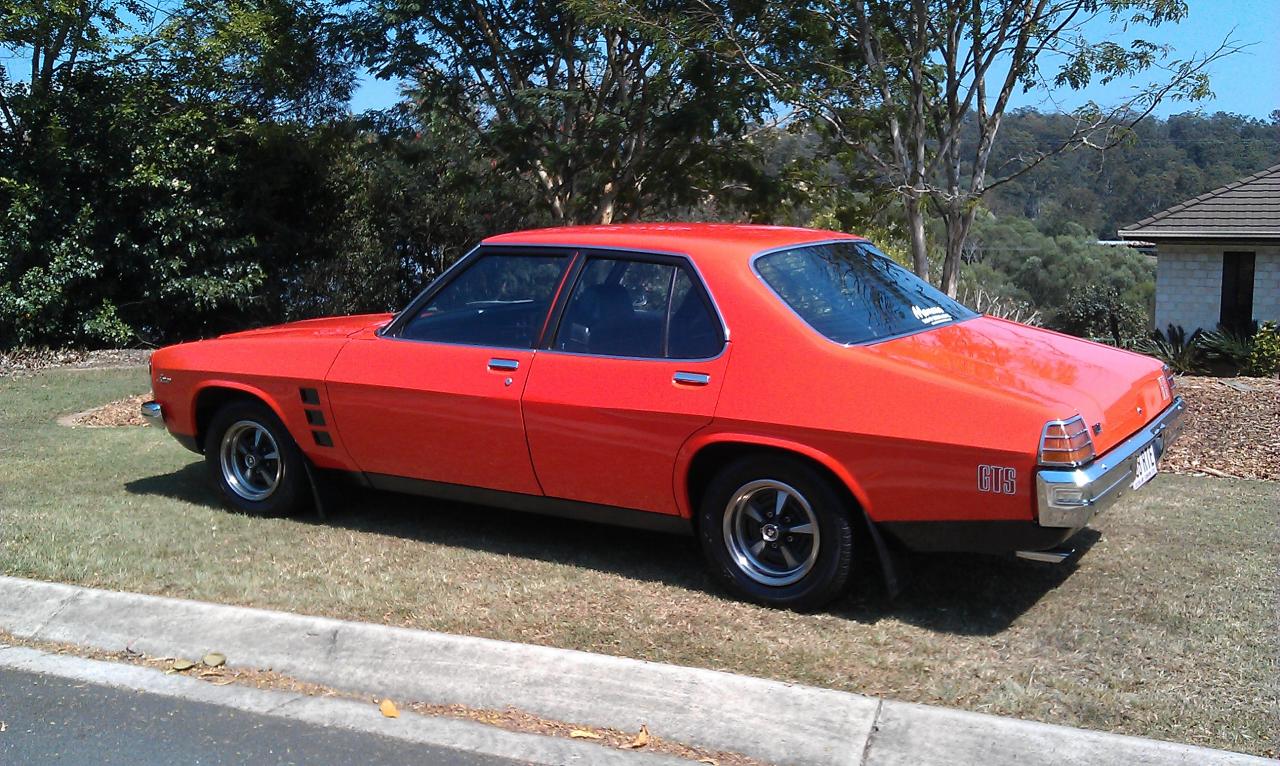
[(771, 390)]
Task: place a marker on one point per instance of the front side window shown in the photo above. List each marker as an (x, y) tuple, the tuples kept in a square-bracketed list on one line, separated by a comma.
[(632, 308), (852, 293), (499, 300)]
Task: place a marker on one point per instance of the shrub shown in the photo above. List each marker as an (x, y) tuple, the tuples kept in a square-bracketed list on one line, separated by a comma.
[(1100, 311), (1264, 357), (1183, 354), (1227, 345)]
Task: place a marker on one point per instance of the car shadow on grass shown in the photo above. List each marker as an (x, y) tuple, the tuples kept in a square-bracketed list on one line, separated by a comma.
[(945, 593)]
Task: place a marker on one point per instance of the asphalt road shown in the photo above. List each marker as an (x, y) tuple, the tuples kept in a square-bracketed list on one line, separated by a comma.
[(49, 720)]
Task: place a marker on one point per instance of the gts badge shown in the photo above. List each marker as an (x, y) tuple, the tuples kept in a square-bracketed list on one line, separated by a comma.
[(997, 479)]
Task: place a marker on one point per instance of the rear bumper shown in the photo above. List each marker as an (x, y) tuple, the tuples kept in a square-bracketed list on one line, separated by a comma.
[(1069, 499)]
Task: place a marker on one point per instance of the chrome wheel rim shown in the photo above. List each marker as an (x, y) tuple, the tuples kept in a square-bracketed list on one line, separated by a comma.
[(251, 464), (771, 532)]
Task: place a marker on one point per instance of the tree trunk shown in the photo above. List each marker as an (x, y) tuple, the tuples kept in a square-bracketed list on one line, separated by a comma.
[(915, 225), (958, 223)]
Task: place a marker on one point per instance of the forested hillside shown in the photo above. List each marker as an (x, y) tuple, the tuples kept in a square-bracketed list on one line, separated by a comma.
[(1161, 164)]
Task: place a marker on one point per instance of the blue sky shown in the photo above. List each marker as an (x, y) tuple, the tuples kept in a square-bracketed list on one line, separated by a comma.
[(1246, 83)]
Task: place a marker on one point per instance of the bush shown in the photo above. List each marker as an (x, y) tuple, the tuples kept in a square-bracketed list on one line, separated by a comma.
[(1264, 357), (1227, 345), (1099, 311), (1183, 355)]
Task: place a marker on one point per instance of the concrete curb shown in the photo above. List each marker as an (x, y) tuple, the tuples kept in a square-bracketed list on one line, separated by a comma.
[(456, 734), (776, 722)]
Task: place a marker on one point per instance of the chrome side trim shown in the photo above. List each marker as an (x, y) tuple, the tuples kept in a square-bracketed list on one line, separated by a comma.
[(1104, 481), (152, 411)]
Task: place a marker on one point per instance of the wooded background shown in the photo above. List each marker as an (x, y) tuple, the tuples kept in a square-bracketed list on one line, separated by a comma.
[(175, 170)]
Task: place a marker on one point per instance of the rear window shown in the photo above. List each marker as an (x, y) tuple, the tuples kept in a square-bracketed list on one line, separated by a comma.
[(852, 293)]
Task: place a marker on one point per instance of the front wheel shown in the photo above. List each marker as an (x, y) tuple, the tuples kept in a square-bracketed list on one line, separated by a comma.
[(254, 461), (776, 532)]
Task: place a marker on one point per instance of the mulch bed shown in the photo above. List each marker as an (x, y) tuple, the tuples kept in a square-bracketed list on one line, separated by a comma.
[(27, 361), (1232, 428), (124, 412)]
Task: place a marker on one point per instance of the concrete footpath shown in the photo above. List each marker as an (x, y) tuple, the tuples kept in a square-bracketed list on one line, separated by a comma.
[(768, 720)]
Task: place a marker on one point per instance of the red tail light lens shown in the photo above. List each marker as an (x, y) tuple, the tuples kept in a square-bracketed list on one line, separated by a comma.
[(1066, 443)]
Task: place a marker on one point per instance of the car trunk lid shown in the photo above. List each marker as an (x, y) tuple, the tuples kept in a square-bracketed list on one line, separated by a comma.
[(1116, 391)]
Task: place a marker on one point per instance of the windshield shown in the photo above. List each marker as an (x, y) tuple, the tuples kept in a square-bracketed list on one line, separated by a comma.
[(852, 293)]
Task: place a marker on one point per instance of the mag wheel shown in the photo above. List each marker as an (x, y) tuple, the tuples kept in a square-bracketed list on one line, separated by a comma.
[(254, 461), (776, 532)]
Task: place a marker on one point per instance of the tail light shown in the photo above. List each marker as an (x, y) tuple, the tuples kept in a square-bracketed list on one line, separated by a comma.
[(1066, 443), (1167, 382)]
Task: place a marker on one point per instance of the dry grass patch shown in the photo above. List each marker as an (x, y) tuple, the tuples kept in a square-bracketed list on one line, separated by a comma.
[(1164, 628)]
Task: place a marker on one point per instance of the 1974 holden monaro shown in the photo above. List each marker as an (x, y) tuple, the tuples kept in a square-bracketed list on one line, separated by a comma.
[(769, 389)]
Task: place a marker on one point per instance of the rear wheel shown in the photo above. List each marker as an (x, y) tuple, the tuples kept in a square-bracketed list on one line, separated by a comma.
[(254, 461), (776, 532)]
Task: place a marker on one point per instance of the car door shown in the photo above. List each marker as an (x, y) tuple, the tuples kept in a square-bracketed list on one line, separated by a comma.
[(437, 396), (633, 368)]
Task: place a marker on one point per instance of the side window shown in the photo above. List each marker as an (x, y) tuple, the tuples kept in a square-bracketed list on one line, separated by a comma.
[(695, 332), (637, 308), (499, 300)]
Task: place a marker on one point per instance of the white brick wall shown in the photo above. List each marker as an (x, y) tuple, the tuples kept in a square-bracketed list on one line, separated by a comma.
[(1189, 285), (1266, 285)]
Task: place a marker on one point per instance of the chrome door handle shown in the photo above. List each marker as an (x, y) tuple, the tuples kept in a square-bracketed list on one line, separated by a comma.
[(504, 365), (691, 378)]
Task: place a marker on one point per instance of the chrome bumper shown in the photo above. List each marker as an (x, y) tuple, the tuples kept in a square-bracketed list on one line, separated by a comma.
[(152, 412), (1069, 499)]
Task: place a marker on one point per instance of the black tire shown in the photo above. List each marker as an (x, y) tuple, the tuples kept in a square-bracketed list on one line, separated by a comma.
[(260, 484), (730, 533)]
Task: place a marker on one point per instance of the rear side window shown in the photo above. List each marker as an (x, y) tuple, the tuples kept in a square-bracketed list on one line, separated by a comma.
[(499, 300), (622, 307), (852, 293)]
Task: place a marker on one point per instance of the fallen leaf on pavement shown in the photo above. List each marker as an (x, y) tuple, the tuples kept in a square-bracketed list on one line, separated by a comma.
[(181, 665), (389, 709), (640, 741), (215, 659), (3, 727), (709, 761), (583, 734)]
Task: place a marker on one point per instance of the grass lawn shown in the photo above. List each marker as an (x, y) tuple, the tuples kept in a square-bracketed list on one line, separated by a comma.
[(1165, 628)]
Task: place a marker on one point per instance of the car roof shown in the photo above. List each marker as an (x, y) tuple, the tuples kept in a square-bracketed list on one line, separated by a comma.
[(695, 239)]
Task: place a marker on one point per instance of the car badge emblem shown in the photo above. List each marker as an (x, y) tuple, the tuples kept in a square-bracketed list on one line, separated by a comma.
[(1097, 428), (1139, 410)]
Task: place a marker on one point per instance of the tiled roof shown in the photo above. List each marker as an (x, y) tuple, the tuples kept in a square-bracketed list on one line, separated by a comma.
[(1246, 209)]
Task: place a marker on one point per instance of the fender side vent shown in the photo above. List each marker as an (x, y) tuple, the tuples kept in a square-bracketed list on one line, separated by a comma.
[(309, 395), (315, 417), (322, 438)]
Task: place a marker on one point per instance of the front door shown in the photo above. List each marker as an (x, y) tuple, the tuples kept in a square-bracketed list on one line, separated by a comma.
[(633, 369), (1237, 292), (438, 398)]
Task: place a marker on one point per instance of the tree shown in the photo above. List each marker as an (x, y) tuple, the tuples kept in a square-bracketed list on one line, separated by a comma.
[(898, 84), (604, 120)]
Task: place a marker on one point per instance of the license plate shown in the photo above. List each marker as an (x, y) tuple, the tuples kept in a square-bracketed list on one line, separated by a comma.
[(1145, 467)]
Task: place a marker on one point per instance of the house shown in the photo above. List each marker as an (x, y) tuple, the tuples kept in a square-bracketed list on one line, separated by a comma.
[(1218, 256)]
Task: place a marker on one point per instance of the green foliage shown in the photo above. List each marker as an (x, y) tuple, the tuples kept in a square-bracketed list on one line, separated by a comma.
[(1183, 354), (1264, 357), (1228, 345), (1078, 286), (1099, 312)]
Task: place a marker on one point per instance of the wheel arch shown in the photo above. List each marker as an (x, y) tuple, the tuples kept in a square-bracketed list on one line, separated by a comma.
[(212, 396), (702, 457)]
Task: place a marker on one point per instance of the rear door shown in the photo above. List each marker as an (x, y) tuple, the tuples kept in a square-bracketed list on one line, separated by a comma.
[(633, 366), (438, 397)]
